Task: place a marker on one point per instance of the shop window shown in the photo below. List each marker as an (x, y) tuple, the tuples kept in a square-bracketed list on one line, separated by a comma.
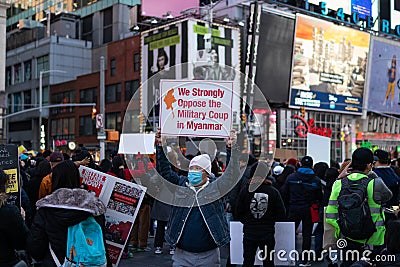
[(87, 126), (130, 89), (113, 93)]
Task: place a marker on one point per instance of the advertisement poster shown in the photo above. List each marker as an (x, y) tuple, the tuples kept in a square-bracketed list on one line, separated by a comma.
[(184, 42), (329, 66), (9, 163), (193, 108), (122, 199), (384, 90)]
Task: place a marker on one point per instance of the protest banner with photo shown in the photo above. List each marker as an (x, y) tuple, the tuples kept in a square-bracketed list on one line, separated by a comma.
[(9, 163), (122, 199), (196, 108)]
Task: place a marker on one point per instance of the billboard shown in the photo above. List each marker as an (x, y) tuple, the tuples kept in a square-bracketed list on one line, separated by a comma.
[(183, 42), (274, 58), (363, 7), (329, 65), (383, 82), (159, 8)]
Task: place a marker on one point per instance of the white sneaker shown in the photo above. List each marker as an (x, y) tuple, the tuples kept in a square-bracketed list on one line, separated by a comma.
[(158, 250), (171, 251)]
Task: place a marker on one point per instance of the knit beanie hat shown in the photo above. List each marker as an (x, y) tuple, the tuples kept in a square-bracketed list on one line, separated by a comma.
[(202, 161)]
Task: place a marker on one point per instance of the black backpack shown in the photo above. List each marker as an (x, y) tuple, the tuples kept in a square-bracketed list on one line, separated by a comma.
[(355, 220)]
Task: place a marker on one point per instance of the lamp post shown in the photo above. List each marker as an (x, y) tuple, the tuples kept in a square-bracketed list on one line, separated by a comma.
[(42, 146)]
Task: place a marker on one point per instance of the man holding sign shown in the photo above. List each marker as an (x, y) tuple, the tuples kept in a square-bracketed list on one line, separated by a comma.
[(197, 226)]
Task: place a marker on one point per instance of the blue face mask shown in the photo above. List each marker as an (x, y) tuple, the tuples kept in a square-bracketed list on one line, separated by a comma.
[(195, 177)]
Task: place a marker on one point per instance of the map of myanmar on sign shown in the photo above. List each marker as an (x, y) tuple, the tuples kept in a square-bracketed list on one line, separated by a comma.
[(196, 108)]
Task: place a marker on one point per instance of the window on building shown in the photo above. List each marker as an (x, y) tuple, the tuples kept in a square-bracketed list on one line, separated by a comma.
[(113, 121), (27, 99), (136, 62), (42, 65), (112, 66), (18, 78), (107, 25), (63, 98), (397, 5), (28, 70), (87, 28), (45, 96), (17, 102), (63, 128), (113, 93), (9, 104), (8, 76), (87, 126), (130, 89), (88, 95)]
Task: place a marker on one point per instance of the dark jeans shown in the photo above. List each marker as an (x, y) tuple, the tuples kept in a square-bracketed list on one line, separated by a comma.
[(304, 216), (250, 250), (160, 233)]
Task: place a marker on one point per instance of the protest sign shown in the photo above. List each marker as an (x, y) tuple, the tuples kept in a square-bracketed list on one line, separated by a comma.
[(10, 165), (196, 108), (135, 143), (319, 148), (122, 199)]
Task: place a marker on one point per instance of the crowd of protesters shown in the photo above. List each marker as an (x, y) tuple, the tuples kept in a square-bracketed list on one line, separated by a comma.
[(302, 192)]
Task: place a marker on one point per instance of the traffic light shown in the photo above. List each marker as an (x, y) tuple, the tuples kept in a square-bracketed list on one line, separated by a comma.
[(303, 112), (94, 111)]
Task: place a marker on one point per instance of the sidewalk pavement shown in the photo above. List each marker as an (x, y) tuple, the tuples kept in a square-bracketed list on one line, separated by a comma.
[(149, 259)]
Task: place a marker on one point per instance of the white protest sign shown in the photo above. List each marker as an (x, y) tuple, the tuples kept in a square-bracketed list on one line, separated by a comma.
[(284, 244), (196, 108), (122, 199), (136, 143), (319, 148)]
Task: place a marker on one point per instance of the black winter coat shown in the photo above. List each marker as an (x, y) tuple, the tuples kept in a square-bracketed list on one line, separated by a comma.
[(259, 219), (56, 212), (13, 232)]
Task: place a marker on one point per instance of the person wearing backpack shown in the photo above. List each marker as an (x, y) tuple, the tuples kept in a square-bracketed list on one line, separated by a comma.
[(303, 190), (258, 211), (64, 214), (355, 206)]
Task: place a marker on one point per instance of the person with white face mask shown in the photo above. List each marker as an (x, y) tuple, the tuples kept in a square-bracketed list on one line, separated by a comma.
[(197, 226)]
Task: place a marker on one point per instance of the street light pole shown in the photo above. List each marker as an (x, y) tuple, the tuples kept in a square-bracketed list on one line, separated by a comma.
[(41, 104)]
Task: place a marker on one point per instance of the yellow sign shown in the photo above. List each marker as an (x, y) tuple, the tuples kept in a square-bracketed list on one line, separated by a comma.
[(170, 41), (202, 30), (12, 186)]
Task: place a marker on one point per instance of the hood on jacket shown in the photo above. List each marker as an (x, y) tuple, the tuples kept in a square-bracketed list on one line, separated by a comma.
[(73, 199)]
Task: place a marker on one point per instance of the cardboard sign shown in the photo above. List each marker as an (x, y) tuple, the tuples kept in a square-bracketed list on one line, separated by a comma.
[(135, 143), (122, 199), (196, 108), (9, 163), (284, 154), (284, 241), (319, 148)]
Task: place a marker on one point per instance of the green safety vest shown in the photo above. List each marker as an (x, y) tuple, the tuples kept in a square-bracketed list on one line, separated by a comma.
[(377, 214)]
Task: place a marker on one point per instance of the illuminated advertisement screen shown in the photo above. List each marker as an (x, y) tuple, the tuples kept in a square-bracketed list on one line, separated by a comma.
[(363, 7), (329, 65), (383, 95)]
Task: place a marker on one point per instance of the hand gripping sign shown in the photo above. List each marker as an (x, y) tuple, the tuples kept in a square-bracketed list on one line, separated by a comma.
[(196, 108)]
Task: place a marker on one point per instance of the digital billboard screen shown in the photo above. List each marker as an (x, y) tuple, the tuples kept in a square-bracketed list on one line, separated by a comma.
[(363, 7), (329, 65), (383, 83)]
